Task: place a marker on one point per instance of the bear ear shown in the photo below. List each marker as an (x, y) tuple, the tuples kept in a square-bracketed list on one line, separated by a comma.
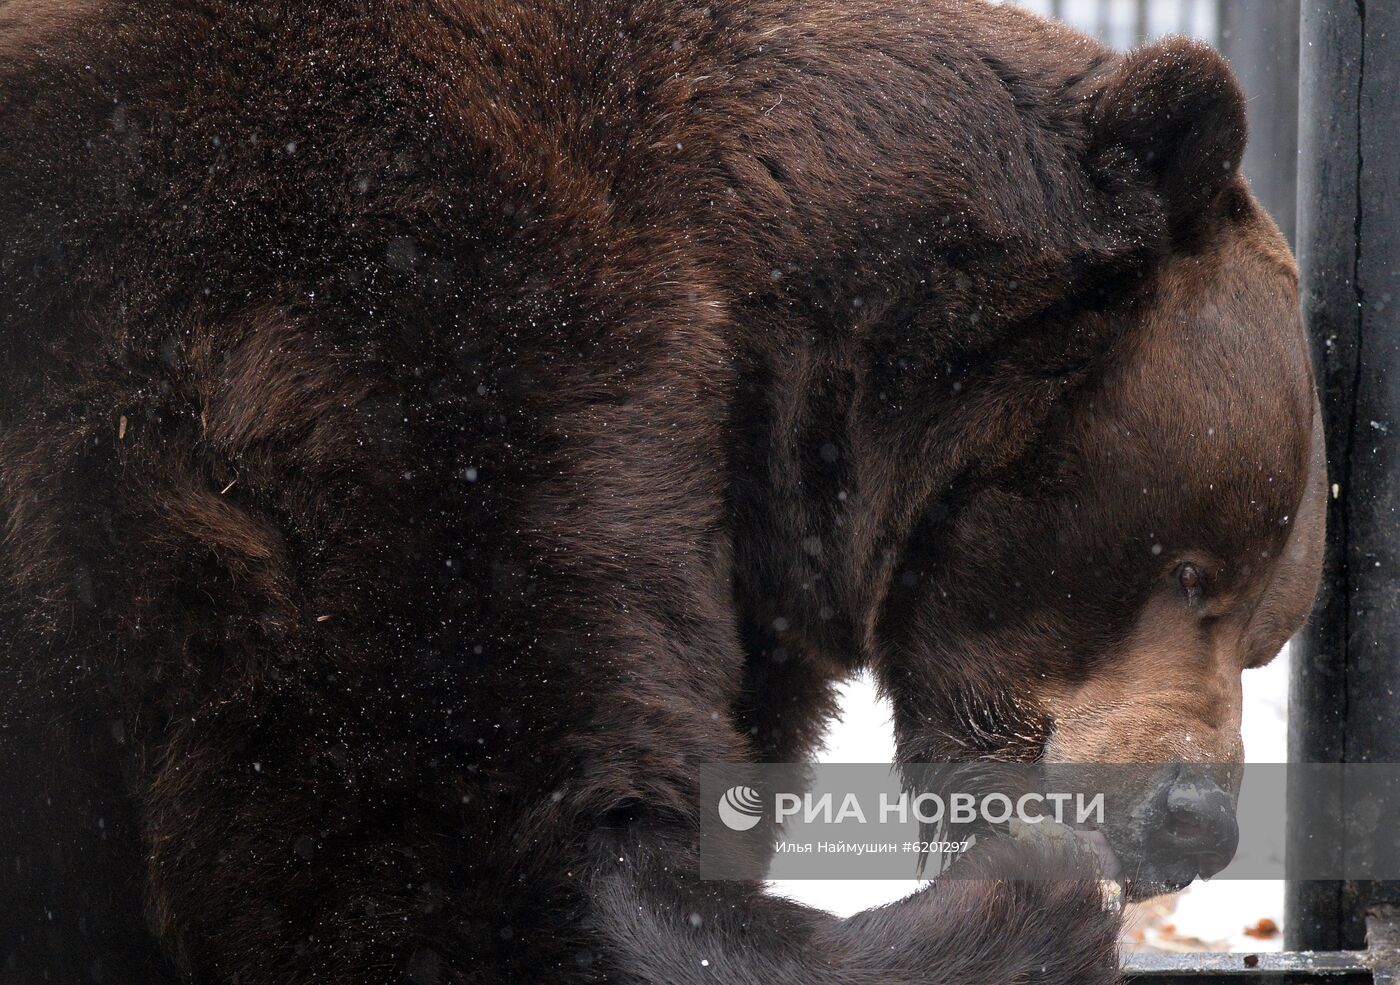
[(1175, 110)]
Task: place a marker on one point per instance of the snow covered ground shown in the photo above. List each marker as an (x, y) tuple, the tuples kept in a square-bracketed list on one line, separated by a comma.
[(1207, 916)]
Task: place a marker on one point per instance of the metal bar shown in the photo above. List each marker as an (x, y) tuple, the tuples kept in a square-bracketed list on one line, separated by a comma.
[(1323, 967), (1343, 705)]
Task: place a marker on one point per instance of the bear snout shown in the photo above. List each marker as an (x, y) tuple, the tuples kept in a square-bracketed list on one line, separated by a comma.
[(1183, 828)]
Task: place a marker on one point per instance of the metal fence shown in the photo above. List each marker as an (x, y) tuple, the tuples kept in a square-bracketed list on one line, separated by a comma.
[(1125, 23)]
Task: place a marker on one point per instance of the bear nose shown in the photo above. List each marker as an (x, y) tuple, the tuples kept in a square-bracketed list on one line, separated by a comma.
[(1197, 823)]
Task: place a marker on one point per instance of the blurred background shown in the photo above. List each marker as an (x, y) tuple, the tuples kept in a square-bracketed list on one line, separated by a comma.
[(1261, 40)]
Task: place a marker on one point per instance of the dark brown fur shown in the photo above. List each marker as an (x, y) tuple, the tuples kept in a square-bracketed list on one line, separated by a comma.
[(429, 429)]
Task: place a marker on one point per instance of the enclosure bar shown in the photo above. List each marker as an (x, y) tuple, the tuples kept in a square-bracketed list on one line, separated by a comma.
[(1323, 967), (1344, 704)]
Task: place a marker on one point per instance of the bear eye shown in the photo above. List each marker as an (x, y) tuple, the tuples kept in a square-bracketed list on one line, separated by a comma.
[(1192, 583)]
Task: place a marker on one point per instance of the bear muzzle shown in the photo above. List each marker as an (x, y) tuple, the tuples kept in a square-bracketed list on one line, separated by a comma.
[(1181, 829)]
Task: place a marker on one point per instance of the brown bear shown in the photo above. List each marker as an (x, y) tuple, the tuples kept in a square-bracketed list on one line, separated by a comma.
[(432, 429)]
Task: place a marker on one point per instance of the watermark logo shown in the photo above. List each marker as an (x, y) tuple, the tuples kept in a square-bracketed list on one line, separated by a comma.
[(1049, 821), (740, 808)]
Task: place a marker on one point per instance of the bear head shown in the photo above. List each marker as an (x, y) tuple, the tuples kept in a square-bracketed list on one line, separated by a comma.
[(1097, 595)]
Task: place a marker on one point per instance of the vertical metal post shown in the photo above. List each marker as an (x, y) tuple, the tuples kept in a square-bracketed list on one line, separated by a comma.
[(1345, 694), (1260, 37)]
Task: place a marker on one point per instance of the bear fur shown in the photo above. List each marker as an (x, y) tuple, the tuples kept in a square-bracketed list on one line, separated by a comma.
[(431, 429)]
